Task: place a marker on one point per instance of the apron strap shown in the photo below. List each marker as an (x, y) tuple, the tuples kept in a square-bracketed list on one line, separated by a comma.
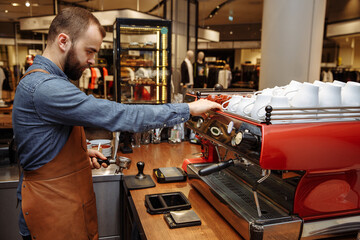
[(19, 167), (35, 70)]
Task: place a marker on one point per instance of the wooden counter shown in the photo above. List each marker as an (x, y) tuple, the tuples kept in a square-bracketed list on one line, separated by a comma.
[(213, 226), (5, 121), (6, 109)]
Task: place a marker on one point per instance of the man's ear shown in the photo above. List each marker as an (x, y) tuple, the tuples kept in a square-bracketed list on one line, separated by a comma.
[(64, 42)]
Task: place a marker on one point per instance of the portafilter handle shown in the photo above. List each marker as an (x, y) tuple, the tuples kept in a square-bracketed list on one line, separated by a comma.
[(216, 167)]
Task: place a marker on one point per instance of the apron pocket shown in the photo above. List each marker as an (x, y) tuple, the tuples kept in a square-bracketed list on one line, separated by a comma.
[(91, 218)]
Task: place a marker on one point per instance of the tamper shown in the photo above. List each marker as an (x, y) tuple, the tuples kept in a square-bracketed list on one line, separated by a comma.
[(140, 166), (140, 180)]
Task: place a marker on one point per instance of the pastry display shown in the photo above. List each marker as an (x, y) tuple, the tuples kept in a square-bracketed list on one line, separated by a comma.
[(143, 58)]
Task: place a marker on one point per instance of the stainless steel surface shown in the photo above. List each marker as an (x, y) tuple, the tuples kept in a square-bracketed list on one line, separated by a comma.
[(9, 173), (110, 238), (249, 145), (257, 203), (313, 230), (107, 191), (234, 200), (266, 174), (262, 207), (124, 163), (282, 231), (8, 211), (116, 144), (344, 113)]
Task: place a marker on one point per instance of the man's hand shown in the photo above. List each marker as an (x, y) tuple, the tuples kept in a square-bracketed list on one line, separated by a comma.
[(93, 155), (201, 106)]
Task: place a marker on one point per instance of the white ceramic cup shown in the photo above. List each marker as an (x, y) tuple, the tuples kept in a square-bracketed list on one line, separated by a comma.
[(265, 91), (258, 111), (280, 102), (291, 89), (233, 103), (278, 91), (271, 91), (329, 96), (245, 106), (319, 83), (350, 94), (106, 150), (306, 97), (338, 83)]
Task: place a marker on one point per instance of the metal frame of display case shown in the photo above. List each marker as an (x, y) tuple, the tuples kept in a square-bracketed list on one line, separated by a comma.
[(162, 67)]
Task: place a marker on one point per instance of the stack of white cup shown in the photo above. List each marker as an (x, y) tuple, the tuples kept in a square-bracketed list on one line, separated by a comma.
[(299, 95), (350, 96)]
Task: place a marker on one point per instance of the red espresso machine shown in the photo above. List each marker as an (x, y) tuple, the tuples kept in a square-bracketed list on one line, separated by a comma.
[(278, 179)]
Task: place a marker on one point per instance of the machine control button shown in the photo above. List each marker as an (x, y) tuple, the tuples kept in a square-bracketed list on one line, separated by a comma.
[(230, 127), (215, 131), (236, 140)]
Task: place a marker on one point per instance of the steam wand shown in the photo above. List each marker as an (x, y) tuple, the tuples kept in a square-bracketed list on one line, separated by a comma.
[(266, 174)]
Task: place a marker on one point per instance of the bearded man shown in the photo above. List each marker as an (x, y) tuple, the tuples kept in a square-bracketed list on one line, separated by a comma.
[(49, 112)]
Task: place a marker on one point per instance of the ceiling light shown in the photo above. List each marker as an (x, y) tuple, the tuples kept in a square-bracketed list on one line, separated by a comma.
[(35, 4), (15, 4), (27, 4), (231, 32), (6, 11), (231, 18)]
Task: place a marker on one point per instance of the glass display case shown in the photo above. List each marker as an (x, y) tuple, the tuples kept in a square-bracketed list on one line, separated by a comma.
[(142, 60)]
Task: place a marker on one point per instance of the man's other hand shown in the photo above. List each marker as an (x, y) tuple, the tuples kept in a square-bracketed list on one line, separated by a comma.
[(93, 156)]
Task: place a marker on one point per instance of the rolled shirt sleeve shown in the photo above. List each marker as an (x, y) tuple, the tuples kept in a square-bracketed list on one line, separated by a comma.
[(63, 103)]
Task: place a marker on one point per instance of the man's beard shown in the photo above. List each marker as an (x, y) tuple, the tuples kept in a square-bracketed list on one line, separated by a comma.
[(73, 69)]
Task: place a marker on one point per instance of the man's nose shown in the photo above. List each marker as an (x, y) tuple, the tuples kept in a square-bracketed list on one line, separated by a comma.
[(91, 61)]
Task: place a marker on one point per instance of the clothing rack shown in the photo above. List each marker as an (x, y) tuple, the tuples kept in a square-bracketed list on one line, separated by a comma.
[(342, 73)]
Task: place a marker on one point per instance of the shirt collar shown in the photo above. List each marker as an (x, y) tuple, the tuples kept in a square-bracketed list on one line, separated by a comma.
[(48, 65)]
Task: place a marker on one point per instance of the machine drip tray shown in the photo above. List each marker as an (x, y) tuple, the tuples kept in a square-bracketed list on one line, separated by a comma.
[(235, 201), (239, 196)]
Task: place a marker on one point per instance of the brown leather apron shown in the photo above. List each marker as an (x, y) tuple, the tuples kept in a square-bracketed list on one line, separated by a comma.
[(58, 200)]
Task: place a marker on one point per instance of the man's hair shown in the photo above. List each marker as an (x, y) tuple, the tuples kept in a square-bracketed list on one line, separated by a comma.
[(73, 21)]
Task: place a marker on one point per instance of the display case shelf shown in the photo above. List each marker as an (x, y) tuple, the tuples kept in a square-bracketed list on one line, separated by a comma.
[(140, 49), (144, 66), (142, 60)]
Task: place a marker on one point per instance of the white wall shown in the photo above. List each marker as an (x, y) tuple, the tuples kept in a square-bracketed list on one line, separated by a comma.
[(346, 55), (250, 55), (356, 63)]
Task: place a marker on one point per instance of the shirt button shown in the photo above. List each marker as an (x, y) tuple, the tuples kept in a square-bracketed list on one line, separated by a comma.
[(27, 213), (165, 125), (182, 119)]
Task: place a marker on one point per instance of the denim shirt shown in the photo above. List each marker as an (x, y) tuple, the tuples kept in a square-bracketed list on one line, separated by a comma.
[(46, 106)]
